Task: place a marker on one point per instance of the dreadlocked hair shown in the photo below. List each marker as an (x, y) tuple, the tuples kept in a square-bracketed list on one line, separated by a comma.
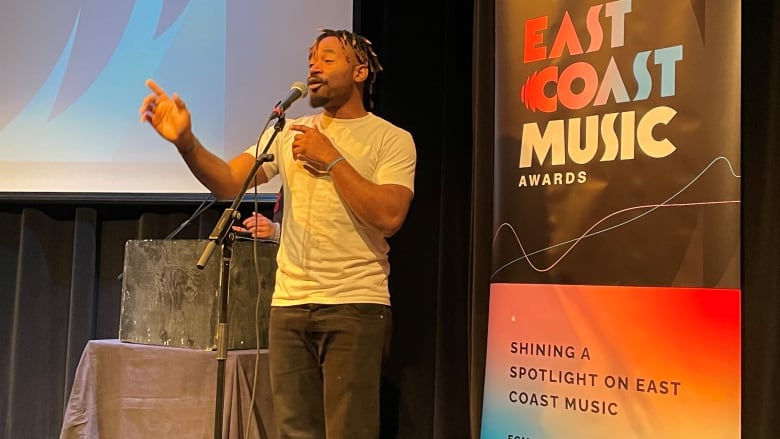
[(363, 50)]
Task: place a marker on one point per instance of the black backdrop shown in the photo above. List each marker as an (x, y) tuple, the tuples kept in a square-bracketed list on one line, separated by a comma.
[(60, 257)]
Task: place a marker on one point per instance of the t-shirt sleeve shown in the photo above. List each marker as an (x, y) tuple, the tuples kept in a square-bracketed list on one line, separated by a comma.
[(397, 161), (270, 168)]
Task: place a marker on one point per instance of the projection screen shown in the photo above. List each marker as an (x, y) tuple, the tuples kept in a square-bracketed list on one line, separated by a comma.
[(73, 75)]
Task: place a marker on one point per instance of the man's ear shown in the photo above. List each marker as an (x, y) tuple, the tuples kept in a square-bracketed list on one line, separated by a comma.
[(360, 73)]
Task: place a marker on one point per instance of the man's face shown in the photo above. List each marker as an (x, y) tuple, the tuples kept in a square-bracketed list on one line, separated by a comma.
[(331, 73)]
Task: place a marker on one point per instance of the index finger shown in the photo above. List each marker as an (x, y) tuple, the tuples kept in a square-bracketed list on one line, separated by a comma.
[(155, 88), (301, 128)]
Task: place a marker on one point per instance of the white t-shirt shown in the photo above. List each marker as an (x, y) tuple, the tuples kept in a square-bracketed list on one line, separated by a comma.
[(326, 254)]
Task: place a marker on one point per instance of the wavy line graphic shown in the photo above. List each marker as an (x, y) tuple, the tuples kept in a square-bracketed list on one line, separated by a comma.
[(590, 231)]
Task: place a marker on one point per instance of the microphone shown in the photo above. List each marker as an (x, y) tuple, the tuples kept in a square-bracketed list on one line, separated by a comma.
[(297, 91)]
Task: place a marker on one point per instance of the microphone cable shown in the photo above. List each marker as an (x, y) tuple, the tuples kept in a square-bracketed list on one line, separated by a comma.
[(199, 211), (258, 277)]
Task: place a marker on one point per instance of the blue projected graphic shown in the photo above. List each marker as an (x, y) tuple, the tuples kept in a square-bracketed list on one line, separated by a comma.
[(73, 79)]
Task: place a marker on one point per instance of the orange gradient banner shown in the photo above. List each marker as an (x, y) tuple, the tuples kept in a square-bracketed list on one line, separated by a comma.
[(594, 362)]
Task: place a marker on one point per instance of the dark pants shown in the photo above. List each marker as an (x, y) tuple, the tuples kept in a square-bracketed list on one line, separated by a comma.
[(326, 366)]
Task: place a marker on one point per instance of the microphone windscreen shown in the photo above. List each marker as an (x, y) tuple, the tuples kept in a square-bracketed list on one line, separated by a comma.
[(300, 86)]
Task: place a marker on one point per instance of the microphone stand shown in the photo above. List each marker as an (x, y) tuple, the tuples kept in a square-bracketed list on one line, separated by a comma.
[(223, 234)]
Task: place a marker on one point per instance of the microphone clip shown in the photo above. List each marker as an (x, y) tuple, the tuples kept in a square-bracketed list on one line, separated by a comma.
[(277, 112)]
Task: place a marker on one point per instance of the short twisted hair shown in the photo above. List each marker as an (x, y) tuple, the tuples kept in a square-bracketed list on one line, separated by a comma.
[(362, 48)]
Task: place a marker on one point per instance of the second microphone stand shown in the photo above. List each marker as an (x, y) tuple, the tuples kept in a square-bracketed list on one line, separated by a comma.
[(223, 235)]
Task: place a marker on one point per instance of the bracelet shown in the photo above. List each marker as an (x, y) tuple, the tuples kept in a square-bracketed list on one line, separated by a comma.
[(333, 163)]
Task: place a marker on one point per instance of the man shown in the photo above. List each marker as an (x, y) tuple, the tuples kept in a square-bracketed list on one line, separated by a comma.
[(348, 180)]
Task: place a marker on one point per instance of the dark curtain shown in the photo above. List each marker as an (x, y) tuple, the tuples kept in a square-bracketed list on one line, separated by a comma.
[(60, 259), (760, 219), (426, 48), (59, 268), (483, 104)]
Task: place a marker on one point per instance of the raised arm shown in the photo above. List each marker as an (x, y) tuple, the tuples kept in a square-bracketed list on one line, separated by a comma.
[(171, 119)]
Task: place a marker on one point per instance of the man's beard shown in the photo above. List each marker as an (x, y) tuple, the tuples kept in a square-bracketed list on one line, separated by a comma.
[(318, 101)]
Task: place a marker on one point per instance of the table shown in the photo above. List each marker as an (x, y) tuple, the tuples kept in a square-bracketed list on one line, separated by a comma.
[(124, 390)]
